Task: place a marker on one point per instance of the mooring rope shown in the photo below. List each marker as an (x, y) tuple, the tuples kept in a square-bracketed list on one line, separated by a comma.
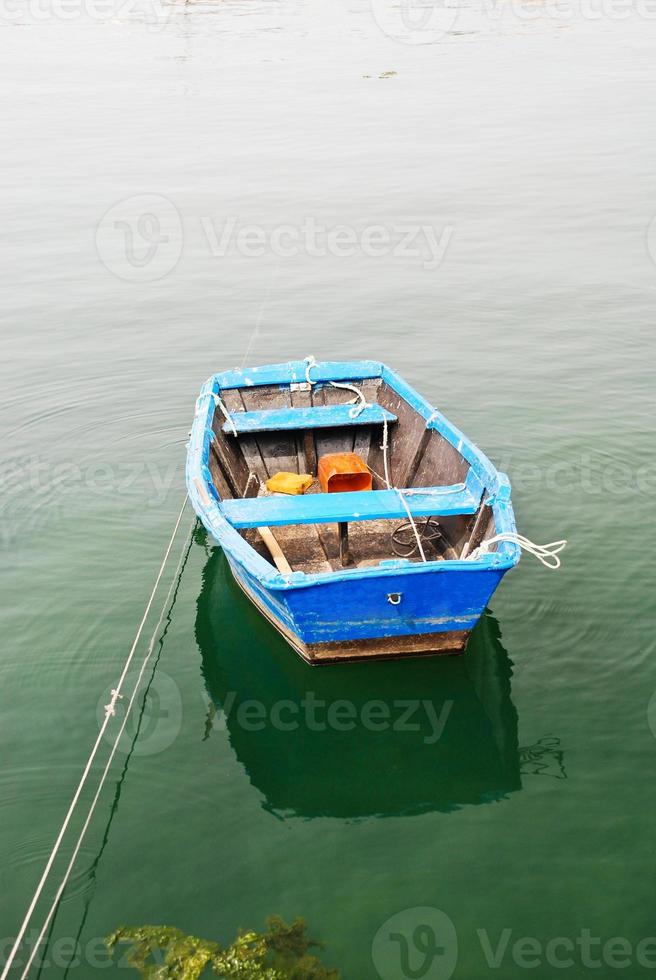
[(169, 604), (399, 492), (263, 305), (226, 414), (133, 697), (110, 711), (311, 362), (546, 553)]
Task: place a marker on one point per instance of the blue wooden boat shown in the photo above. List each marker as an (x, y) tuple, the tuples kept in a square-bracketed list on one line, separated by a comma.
[(401, 569)]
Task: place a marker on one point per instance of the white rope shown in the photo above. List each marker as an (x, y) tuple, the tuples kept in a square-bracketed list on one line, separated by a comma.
[(265, 302), (109, 713), (434, 491), (362, 404), (412, 523), (76, 851), (311, 362), (217, 401), (546, 553), (385, 448), (400, 493), (228, 417)]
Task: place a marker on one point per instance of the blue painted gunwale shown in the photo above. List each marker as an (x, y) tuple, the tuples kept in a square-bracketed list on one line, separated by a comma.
[(260, 573)]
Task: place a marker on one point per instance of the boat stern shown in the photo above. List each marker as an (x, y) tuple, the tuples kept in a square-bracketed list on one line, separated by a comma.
[(395, 610)]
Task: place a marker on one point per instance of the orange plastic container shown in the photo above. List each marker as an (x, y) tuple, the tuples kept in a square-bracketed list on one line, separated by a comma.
[(340, 472)]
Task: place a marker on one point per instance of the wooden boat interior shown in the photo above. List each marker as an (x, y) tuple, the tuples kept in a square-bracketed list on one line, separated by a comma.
[(262, 430)]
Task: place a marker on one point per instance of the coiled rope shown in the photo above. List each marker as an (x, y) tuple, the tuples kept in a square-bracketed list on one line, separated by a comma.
[(545, 553), (110, 711)]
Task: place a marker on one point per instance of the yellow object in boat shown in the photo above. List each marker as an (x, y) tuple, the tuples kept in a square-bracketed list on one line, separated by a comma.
[(289, 482)]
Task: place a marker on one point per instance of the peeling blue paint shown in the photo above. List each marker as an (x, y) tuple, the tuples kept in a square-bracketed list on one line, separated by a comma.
[(353, 603)]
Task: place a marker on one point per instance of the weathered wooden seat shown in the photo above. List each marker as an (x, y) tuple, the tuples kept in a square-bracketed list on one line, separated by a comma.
[(317, 417), (368, 505)]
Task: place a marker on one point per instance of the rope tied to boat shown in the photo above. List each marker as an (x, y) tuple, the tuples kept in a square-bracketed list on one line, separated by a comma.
[(110, 711), (545, 553), (311, 362), (226, 414), (220, 404), (399, 492), (433, 491)]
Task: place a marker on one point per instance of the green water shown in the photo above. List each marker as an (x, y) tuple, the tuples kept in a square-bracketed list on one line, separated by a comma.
[(524, 802)]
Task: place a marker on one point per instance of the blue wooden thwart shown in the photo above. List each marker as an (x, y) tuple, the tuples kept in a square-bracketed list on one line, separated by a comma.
[(364, 505), (319, 417)]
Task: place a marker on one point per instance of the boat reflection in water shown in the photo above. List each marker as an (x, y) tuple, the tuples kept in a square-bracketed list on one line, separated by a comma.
[(383, 738)]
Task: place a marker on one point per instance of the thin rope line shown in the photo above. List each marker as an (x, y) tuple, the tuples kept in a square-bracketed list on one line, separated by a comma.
[(263, 304), (92, 808), (311, 362), (399, 492), (109, 712), (413, 525), (226, 414), (117, 794)]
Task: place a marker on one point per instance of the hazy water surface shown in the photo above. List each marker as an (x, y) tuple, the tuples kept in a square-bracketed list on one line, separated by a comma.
[(185, 187)]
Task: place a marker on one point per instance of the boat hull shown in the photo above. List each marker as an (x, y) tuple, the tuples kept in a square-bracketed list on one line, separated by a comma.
[(420, 613)]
